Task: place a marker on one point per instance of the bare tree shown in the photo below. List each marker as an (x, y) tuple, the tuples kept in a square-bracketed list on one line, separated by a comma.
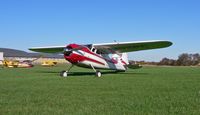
[(166, 61), (184, 59)]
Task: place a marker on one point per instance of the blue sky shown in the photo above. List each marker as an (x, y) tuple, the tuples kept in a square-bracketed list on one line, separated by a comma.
[(28, 23)]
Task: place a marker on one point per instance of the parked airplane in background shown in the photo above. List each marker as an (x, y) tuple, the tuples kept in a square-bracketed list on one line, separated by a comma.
[(101, 56), (18, 64), (49, 63)]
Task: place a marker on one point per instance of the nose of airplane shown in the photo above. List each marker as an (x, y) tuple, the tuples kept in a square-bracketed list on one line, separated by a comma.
[(67, 53), (71, 53)]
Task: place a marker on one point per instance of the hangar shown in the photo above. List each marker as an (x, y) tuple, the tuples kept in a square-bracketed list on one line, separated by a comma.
[(14, 54), (1, 58)]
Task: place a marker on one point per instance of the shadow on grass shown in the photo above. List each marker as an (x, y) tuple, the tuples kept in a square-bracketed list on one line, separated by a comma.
[(92, 73)]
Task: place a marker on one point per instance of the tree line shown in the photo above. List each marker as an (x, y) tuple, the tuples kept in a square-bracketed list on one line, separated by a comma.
[(184, 59)]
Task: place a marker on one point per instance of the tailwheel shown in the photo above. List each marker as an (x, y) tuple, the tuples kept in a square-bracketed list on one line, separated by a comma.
[(63, 73), (98, 73)]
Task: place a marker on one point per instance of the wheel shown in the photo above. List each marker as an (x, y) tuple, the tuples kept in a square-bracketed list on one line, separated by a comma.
[(98, 74), (63, 73)]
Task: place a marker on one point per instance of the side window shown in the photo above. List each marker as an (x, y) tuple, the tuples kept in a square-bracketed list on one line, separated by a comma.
[(93, 49), (98, 52)]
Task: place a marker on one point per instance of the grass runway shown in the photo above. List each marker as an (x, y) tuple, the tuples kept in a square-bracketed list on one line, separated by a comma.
[(150, 90)]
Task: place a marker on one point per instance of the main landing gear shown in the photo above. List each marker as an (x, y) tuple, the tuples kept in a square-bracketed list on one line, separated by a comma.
[(65, 73), (98, 73)]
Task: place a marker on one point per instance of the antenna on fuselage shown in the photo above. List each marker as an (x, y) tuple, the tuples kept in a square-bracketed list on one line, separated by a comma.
[(116, 41)]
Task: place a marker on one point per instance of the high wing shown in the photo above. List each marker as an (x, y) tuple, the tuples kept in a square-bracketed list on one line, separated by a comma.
[(121, 47), (49, 49), (117, 47)]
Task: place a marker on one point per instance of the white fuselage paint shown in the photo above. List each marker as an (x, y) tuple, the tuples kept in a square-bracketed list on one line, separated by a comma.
[(105, 61)]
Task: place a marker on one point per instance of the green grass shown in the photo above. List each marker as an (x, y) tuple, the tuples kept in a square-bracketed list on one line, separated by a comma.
[(150, 90)]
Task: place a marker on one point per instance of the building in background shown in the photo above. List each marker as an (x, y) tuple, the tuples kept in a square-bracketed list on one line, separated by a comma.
[(1, 58), (13, 54)]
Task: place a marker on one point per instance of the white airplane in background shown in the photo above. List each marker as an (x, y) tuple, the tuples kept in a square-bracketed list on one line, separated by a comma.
[(111, 56)]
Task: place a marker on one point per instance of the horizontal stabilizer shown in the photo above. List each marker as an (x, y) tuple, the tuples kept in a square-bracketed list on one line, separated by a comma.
[(134, 66)]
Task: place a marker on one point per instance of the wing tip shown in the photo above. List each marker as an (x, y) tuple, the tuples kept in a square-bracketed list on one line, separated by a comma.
[(31, 49), (168, 43)]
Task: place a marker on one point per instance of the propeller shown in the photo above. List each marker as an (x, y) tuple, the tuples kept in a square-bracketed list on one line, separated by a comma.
[(68, 50)]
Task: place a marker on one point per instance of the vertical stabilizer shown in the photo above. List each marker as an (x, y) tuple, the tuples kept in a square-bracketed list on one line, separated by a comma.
[(124, 57)]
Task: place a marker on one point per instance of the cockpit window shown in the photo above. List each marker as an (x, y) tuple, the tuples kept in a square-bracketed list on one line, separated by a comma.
[(93, 49), (89, 46)]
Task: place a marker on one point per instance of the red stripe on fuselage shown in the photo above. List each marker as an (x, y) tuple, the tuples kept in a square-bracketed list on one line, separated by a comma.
[(87, 50), (92, 53), (75, 58), (123, 62)]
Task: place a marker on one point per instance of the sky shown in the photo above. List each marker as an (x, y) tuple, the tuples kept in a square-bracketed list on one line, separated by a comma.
[(30, 23)]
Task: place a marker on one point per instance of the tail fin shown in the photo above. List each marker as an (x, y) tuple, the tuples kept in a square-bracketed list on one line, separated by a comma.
[(124, 57)]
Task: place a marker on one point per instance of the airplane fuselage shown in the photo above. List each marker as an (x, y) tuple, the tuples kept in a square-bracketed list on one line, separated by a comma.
[(84, 57)]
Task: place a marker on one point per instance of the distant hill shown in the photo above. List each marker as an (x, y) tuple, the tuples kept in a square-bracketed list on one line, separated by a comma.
[(18, 53)]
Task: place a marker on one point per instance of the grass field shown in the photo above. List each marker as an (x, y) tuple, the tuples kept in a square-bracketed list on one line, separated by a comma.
[(150, 90)]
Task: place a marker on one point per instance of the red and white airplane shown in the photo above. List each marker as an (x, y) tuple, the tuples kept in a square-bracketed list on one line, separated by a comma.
[(111, 56)]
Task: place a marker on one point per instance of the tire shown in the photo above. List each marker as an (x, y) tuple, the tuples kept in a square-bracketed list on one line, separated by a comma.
[(63, 73), (98, 74)]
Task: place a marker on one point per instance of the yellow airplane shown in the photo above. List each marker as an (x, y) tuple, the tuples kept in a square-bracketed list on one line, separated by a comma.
[(49, 63), (17, 64)]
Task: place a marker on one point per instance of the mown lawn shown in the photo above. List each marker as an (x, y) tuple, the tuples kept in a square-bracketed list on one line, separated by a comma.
[(150, 90)]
